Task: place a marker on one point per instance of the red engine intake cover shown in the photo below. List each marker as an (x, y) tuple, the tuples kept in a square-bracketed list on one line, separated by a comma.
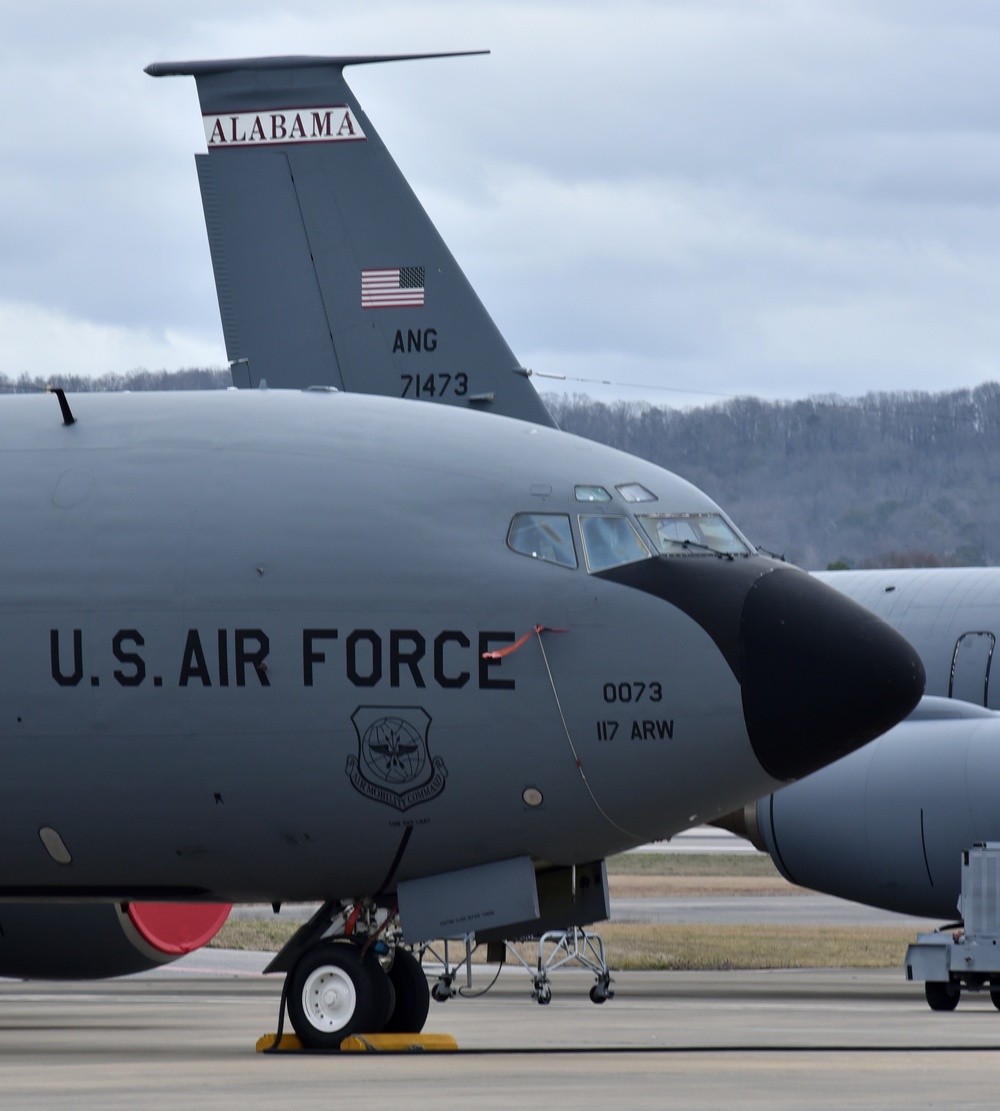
[(177, 928)]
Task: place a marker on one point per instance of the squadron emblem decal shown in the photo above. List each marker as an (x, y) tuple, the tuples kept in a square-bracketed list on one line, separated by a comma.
[(393, 764)]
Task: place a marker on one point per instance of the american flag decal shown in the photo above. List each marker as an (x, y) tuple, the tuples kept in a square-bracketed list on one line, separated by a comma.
[(398, 287)]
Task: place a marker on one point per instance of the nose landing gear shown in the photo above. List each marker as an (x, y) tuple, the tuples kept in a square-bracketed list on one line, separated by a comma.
[(362, 980), (337, 989), (355, 983)]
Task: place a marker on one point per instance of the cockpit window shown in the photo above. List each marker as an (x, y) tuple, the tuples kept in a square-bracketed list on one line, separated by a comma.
[(635, 491), (546, 536), (693, 534), (610, 541), (592, 493)]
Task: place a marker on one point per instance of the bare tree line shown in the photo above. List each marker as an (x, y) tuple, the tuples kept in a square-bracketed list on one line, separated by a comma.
[(889, 479), (190, 378)]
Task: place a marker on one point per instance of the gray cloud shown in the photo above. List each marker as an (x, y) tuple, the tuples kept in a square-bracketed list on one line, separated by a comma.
[(772, 196)]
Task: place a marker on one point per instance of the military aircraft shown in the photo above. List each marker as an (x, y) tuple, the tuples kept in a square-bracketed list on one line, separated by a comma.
[(421, 663), (900, 811)]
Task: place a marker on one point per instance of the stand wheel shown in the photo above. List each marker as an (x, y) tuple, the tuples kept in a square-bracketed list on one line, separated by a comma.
[(942, 996), (995, 997), (442, 990), (543, 993)]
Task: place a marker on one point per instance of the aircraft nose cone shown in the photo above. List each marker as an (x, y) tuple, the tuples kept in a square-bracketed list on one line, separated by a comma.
[(820, 675)]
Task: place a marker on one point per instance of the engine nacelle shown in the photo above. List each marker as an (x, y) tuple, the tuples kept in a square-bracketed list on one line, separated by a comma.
[(886, 826), (85, 941)]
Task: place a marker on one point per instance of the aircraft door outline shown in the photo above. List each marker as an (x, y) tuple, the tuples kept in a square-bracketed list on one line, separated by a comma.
[(976, 660)]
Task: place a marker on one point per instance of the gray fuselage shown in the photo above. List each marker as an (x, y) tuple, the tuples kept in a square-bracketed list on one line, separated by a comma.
[(243, 647)]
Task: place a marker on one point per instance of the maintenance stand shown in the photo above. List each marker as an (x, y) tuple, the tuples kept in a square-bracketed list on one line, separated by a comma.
[(967, 955)]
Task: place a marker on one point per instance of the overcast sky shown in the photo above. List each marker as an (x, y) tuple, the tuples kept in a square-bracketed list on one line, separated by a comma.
[(696, 197)]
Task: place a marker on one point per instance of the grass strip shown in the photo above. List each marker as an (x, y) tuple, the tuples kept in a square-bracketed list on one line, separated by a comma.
[(737, 865), (635, 946), (264, 934)]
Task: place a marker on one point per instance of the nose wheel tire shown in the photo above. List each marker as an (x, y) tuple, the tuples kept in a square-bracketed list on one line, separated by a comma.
[(333, 992), (413, 996)]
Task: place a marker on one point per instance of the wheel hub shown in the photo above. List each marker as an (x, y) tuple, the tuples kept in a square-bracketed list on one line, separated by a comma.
[(329, 998)]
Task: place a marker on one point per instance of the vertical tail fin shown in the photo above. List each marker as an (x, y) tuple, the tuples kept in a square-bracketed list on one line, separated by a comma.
[(328, 270)]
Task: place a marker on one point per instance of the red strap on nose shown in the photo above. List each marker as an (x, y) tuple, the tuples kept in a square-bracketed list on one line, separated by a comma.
[(499, 653)]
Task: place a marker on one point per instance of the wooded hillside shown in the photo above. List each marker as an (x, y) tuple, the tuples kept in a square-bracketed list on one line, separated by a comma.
[(903, 479), (884, 480)]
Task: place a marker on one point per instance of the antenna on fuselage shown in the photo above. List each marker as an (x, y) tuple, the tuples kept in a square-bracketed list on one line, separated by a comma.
[(67, 412)]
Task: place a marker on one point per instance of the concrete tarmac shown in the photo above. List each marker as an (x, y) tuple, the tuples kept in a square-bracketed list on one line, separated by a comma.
[(767, 1040)]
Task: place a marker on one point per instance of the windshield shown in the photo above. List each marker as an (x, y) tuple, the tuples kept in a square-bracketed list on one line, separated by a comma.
[(610, 541), (693, 533)]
